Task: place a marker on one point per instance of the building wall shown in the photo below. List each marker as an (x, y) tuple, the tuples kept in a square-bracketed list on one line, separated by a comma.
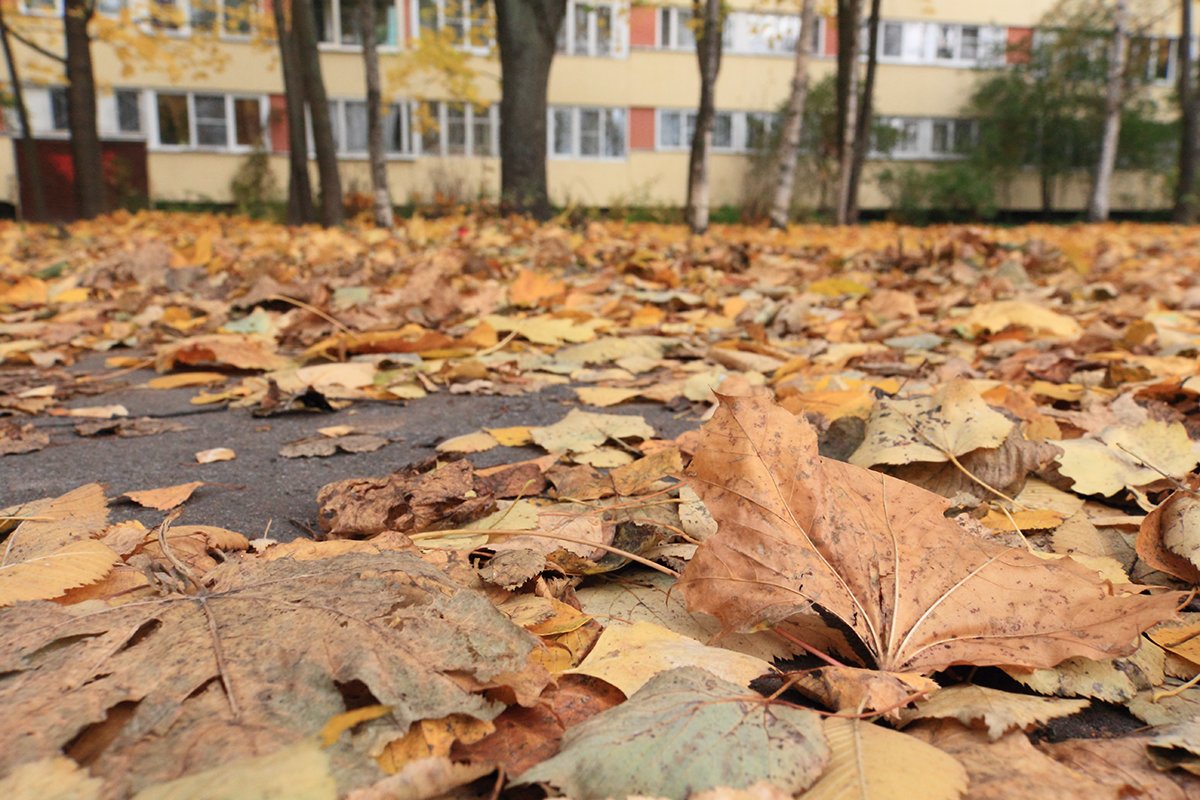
[(638, 83)]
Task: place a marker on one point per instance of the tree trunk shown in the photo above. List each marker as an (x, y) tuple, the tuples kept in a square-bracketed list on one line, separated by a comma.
[(1189, 138), (788, 151), (304, 31), (81, 109), (375, 151), (708, 53), (866, 109), (29, 159), (526, 31), (849, 12), (300, 204), (1098, 205)]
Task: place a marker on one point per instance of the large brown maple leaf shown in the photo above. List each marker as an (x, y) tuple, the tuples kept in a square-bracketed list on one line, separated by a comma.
[(870, 567)]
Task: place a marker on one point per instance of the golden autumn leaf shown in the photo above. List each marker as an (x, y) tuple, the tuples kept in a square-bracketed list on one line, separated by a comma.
[(805, 541)]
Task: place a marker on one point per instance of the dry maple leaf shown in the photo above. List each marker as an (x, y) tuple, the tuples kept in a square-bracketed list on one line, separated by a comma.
[(870, 566), (249, 664)]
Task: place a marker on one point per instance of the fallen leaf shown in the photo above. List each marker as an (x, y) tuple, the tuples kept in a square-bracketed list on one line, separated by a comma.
[(951, 422), (629, 656), (583, 431), (166, 498), (47, 576), (798, 532), (55, 778), (637, 476), (50, 523), (1169, 537), (1176, 746), (183, 379), (1122, 766), (700, 732), (1008, 768), (995, 317), (477, 442), (1127, 457), (321, 446), (222, 349), (998, 712), (868, 762), (299, 772), (92, 412), (129, 428), (17, 439), (287, 631), (215, 454)]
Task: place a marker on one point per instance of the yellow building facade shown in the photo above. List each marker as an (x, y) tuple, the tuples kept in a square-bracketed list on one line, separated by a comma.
[(622, 90)]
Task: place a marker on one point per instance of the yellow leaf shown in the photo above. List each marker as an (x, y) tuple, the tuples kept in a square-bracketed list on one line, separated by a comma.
[(431, 738), (340, 723), (629, 655), (477, 442), (48, 576), (516, 436), (605, 396), (215, 454), (182, 379), (166, 498)]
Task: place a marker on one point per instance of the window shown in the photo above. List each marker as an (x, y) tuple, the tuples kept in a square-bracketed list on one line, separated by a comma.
[(111, 8), (456, 129), (42, 8), (892, 41), (174, 127), (958, 43), (1152, 59), (591, 29), (676, 129), (129, 110), (59, 121), (468, 22), (229, 17), (396, 130), (338, 22), (675, 31), (210, 121), (587, 132), (766, 34), (759, 127), (952, 136)]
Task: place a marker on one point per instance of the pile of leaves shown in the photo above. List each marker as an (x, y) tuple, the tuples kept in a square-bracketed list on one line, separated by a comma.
[(941, 506)]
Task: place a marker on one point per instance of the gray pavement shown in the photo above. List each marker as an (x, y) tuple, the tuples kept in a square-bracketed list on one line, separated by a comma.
[(259, 485)]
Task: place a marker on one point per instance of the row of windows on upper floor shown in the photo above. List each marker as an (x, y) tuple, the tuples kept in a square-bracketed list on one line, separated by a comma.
[(233, 123), (601, 28)]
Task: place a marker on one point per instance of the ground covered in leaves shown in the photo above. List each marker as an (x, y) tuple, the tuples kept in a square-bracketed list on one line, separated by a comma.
[(931, 528)]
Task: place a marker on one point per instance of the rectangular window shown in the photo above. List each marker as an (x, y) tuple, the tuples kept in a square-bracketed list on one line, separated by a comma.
[(892, 40), (129, 110), (355, 126), (670, 129), (42, 8), (590, 29), (212, 125), (59, 118), (588, 132), (722, 131), (482, 131), (238, 17), (759, 127), (174, 120), (947, 42), (469, 22), (456, 129), (111, 8), (338, 21), (248, 124), (968, 49), (395, 130), (429, 127), (562, 131)]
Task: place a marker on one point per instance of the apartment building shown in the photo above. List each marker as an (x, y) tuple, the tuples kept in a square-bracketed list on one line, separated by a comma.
[(623, 90)]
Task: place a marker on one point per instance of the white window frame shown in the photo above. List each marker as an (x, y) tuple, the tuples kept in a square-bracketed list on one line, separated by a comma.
[(186, 29), (742, 29), (470, 112), (440, 24), (384, 47), (680, 18), (575, 112), (739, 129), (1152, 44), (618, 45), (150, 116), (924, 136), (25, 9), (340, 121)]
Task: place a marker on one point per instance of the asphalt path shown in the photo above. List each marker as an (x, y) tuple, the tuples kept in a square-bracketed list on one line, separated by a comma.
[(259, 487)]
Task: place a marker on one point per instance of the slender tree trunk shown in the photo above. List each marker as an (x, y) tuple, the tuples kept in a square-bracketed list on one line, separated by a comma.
[(708, 53), (788, 152), (1098, 205), (304, 29), (300, 204), (81, 109), (866, 110), (1189, 138), (849, 13), (29, 159), (526, 31), (375, 152), (1046, 182)]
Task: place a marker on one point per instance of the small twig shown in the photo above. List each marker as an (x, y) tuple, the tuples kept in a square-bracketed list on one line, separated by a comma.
[(1180, 689), (108, 376), (283, 298), (222, 666), (808, 648), (1179, 486), (500, 345), (181, 568)]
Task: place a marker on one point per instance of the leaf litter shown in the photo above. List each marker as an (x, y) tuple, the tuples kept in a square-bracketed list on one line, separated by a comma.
[(1017, 407)]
